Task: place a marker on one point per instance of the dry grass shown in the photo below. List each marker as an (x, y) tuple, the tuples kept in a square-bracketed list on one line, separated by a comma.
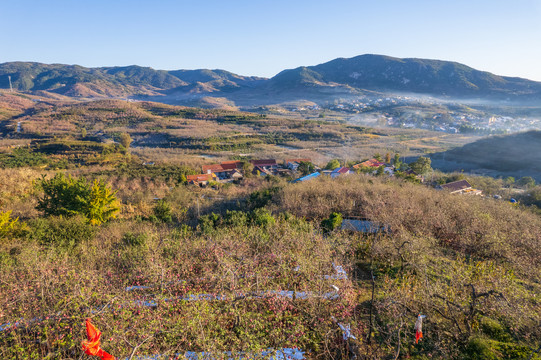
[(439, 247), (468, 225)]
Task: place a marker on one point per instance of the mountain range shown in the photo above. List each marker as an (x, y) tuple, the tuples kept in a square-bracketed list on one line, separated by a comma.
[(339, 77)]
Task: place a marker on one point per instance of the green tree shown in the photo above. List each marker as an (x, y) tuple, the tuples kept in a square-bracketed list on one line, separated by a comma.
[(380, 171), (101, 204), (125, 140), (526, 181), (509, 181), (388, 158), (162, 211), (421, 165), (306, 167), (333, 164), (334, 221), (66, 196), (63, 196), (396, 161), (83, 132), (247, 169)]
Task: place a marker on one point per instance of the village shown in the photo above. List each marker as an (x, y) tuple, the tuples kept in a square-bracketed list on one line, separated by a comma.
[(296, 169), (299, 170), (410, 112)]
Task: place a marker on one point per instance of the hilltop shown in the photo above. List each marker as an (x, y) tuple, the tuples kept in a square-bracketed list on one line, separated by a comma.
[(421, 76)]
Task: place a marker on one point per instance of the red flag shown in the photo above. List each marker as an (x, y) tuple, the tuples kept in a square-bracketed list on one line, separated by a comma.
[(92, 345), (418, 335)]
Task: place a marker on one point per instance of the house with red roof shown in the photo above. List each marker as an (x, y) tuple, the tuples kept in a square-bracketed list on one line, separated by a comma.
[(373, 163), (340, 171), (200, 179), (225, 170)]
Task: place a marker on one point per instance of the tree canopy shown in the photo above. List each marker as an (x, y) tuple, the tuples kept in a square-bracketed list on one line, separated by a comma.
[(421, 165), (67, 196), (333, 164)]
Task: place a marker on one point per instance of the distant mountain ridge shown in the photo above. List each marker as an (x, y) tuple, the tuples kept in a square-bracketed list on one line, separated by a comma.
[(364, 72), (385, 73)]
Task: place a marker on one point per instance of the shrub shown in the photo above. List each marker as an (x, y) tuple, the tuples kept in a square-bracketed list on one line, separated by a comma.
[(261, 217), (260, 198), (162, 212), (132, 239), (480, 349), (61, 232), (209, 222), (334, 221), (494, 329), (235, 218), (7, 225)]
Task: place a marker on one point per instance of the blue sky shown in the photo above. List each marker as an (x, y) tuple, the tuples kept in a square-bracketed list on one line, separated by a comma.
[(263, 37)]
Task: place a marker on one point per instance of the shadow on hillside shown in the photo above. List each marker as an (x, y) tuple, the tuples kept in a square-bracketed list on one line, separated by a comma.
[(514, 155)]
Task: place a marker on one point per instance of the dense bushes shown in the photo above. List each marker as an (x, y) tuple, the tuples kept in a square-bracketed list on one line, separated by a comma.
[(258, 217), (261, 198), (23, 157), (169, 173), (471, 226), (61, 232), (66, 196)]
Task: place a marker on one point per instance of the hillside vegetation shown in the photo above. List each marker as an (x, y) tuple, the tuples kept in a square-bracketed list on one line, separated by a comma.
[(168, 133), (248, 268)]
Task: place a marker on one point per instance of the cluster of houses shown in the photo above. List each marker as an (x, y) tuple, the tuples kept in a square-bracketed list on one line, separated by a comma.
[(229, 171)]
